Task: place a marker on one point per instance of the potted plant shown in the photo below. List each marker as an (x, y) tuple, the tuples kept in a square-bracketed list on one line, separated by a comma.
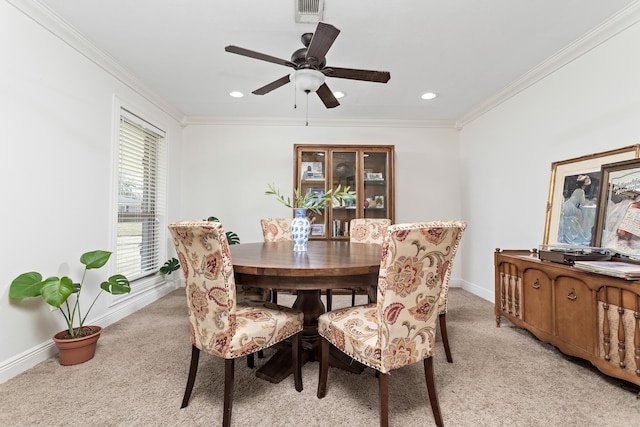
[(301, 226), (77, 343)]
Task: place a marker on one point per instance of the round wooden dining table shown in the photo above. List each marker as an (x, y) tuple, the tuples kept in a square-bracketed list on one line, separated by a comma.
[(325, 265)]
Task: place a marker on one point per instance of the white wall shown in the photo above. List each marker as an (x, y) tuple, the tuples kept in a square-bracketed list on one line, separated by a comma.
[(227, 169), (57, 135), (590, 105), (57, 176)]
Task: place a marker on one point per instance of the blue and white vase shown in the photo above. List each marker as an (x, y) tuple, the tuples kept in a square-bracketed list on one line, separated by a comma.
[(300, 228)]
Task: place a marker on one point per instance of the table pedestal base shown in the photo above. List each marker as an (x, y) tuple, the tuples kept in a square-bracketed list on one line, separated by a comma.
[(279, 366)]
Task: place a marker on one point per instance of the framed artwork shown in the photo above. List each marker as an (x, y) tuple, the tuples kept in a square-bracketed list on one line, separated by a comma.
[(312, 170), (317, 229), (315, 193), (573, 196), (617, 224)]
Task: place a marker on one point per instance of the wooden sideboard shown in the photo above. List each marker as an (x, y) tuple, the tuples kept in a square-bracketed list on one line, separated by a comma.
[(587, 315)]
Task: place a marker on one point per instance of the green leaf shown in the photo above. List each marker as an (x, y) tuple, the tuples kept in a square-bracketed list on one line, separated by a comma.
[(26, 285), (213, 219), (116, 285), (232, 238), (170, 266), (95, 259), (55, 291)]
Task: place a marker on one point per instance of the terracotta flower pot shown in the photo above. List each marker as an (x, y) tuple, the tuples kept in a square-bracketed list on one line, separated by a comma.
[(73, 351)]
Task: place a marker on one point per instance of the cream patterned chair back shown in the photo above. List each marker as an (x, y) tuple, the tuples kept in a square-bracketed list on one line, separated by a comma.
[(276, 229), (219, 325), (400, 328), (205, 259), (416, 261), (368, 230)]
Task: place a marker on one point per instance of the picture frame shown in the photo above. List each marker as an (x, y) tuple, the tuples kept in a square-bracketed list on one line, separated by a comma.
[(317, 229), (315, 193), (617, 225), (312, 170), (564, 176), (374, 176)]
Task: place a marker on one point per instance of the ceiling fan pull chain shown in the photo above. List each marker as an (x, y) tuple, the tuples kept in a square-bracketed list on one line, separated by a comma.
[(307, 116)]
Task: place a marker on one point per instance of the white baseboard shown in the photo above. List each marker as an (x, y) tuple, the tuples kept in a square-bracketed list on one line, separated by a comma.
[(28, 359), (487, 294)]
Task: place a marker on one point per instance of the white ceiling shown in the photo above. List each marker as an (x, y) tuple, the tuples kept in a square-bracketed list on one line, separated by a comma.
[(470, 52)]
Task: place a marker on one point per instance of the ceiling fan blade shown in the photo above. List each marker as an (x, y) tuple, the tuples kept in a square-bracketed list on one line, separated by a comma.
[(257, 55), (354, 74), (327, 97), (322, 40), (271, 86)]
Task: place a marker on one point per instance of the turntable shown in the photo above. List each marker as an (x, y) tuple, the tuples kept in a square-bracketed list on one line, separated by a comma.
[(569, 254)]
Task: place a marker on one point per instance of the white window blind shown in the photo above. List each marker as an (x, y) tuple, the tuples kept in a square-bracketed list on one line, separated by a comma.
[(141, 189)]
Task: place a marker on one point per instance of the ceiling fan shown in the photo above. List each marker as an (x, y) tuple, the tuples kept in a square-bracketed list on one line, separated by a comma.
[(309, 64)]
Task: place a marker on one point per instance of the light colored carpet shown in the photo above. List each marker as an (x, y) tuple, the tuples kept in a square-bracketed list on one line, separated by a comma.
[(500, 377)]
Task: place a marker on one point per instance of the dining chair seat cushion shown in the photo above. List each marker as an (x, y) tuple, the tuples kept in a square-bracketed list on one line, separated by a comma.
[(256, 325), (266, 323), (354, 331)]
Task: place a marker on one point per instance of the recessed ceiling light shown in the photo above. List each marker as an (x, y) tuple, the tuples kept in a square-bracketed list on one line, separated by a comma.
[(428, 95), (236, 94), (338, 95)]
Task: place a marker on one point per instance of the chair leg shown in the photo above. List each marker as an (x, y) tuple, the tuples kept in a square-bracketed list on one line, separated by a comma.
[(324, 368), (353, 298), (383, 382), (251, 361), (274, 296), (445, 339), (329, 298), (431, 388), (195, 356), (296, 353), (260, 354), (228, 391)]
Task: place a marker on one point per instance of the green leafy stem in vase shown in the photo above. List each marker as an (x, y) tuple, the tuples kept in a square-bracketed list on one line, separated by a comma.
[(311, 200)]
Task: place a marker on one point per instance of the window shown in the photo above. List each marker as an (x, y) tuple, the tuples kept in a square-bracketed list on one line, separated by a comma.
[(141, 190)]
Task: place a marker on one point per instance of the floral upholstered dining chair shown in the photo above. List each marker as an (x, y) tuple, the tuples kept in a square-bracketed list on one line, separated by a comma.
[(276, 229), (219, 324), (364, 230), (400, 328)]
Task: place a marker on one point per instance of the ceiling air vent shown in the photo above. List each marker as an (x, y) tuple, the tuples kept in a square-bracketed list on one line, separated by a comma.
[(309, 11)]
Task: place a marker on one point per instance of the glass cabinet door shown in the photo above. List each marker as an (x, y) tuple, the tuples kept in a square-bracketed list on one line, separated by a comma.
[(366, 169), (343, 174), (312, 180), (375, 174)]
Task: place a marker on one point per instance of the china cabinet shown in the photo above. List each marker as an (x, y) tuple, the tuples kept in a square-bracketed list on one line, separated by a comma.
[(366, 169)]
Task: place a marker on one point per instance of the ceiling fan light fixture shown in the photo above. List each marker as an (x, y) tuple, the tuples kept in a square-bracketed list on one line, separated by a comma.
[(307, 79), (338, 94), (236, 94), (428, 95)]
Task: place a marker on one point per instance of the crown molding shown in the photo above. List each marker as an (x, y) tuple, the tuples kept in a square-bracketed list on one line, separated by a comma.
[(617, 23), (278, 121), (51, 22)]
